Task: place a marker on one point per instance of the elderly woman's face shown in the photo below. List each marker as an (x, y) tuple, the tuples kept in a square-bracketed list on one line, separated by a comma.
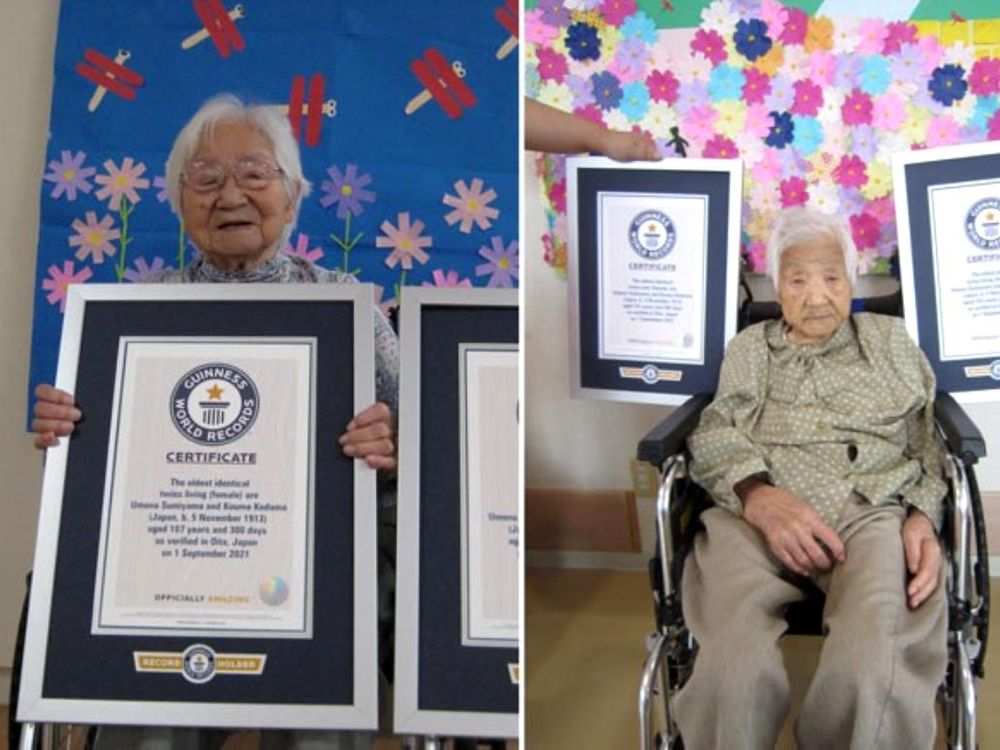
[(236, 226), (813, 290)]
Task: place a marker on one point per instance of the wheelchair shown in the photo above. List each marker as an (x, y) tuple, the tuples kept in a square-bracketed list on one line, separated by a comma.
[(672, 650)]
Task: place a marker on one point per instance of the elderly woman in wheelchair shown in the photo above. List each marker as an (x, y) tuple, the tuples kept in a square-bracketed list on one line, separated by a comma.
[(820, 456)]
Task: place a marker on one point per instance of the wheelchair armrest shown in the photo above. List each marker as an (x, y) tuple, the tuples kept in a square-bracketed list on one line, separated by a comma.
[(960, 433), (666, 438)]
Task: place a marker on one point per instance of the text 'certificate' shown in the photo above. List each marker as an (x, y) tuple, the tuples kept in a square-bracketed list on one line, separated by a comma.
[(965, 236), (652, 250), (208, 500), (490, 528)]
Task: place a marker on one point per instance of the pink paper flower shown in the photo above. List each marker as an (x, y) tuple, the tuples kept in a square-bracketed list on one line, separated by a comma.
[(551, 65), (872, 34), (472, 206), (720, 147), (710, 44), (768, 167), (993, 127), (823, 66), (557, 195), (301, 249), (121, 182), (793, 192), (941, 131), (808, 98), (775, 15), (984, 78), (758, 121), (850, 172), (449, 279), (756, 86), (385, 305), (616, 11), (662, 85), (93, 237), (931, 51), (796, 25), (865, 230), (406, 241), (857, 108), (699, 124), (757, 256), (536, 31), (591, 112), (882, 209), (59, 279), (898, 33), (888, 112)]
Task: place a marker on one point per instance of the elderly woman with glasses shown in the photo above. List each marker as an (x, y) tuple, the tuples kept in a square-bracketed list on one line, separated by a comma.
[(820, 454), (235, 179)]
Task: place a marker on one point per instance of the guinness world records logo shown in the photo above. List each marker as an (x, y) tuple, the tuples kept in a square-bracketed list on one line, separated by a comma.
[(214, 404), (652, 235), (198, 664), (982, 224)]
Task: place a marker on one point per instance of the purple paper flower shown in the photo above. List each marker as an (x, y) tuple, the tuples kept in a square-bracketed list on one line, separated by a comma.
[(581, 88), (751, 38), (607, 90), (502, 265), (160, 182), (908, 65), (631, 58), (347, 190), (849, 71), (582, 42), (864, 142), (782, 95), (143, 269), (691, 94), (947, 84), (554, 13), (69, 175)]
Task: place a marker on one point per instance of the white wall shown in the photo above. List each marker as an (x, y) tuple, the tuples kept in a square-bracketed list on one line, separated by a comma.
[(585, 444), (27, 42)]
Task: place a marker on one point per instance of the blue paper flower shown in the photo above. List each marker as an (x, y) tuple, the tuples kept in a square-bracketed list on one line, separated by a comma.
[(607, 90), (726, 82), (639, 26), (751, 38), (947, 84), (986, 106), (807, 134), (782, 130), (582, 42), (635, 101), (875, 75)]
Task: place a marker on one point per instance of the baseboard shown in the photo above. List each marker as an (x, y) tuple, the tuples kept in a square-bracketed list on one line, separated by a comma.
[(570, 559), (5, 674)]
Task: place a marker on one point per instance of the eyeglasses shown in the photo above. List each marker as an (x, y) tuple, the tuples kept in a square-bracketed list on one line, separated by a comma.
[(249, 174)]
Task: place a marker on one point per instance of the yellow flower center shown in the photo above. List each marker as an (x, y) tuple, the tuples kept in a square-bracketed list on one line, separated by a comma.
[(405, 244), (503, 263), (948, 84), (94, 238), (346, 190), (69, 174), (473, 205), (750, 38), (122, 180)]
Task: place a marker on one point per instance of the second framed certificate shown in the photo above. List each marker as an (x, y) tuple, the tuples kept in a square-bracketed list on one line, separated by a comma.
[(653, 269), (206, 551)]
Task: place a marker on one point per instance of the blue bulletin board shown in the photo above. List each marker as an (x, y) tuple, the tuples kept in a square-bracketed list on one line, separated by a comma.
[(406, 113)]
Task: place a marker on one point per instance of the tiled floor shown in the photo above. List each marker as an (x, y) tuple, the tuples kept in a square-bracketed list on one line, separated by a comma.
[(585, 634)]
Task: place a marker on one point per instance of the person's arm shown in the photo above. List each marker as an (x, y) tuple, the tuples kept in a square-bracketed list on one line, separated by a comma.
[(552, 130)]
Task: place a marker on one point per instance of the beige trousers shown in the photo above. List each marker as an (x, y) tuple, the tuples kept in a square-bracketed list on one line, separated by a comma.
[(880, 664)]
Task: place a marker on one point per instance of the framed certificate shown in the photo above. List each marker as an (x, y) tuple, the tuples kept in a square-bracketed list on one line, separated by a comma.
[(948, 214), (457, 588), (653, 271), (206, 552)]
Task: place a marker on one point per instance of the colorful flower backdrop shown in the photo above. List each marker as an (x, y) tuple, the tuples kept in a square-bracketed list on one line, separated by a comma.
[(408, 187), (814, 106)]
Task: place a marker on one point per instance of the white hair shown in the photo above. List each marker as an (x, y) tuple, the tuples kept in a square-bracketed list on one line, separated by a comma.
[(796, 226), (267, 120)]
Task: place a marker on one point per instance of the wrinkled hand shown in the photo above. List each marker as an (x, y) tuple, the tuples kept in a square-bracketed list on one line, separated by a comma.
[(793, 531), (631, 146), (923, 557), (55, 416), (369, 436)]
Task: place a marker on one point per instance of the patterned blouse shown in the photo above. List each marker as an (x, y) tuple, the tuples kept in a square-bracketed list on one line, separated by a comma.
[(852, 415), (287, 269)]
